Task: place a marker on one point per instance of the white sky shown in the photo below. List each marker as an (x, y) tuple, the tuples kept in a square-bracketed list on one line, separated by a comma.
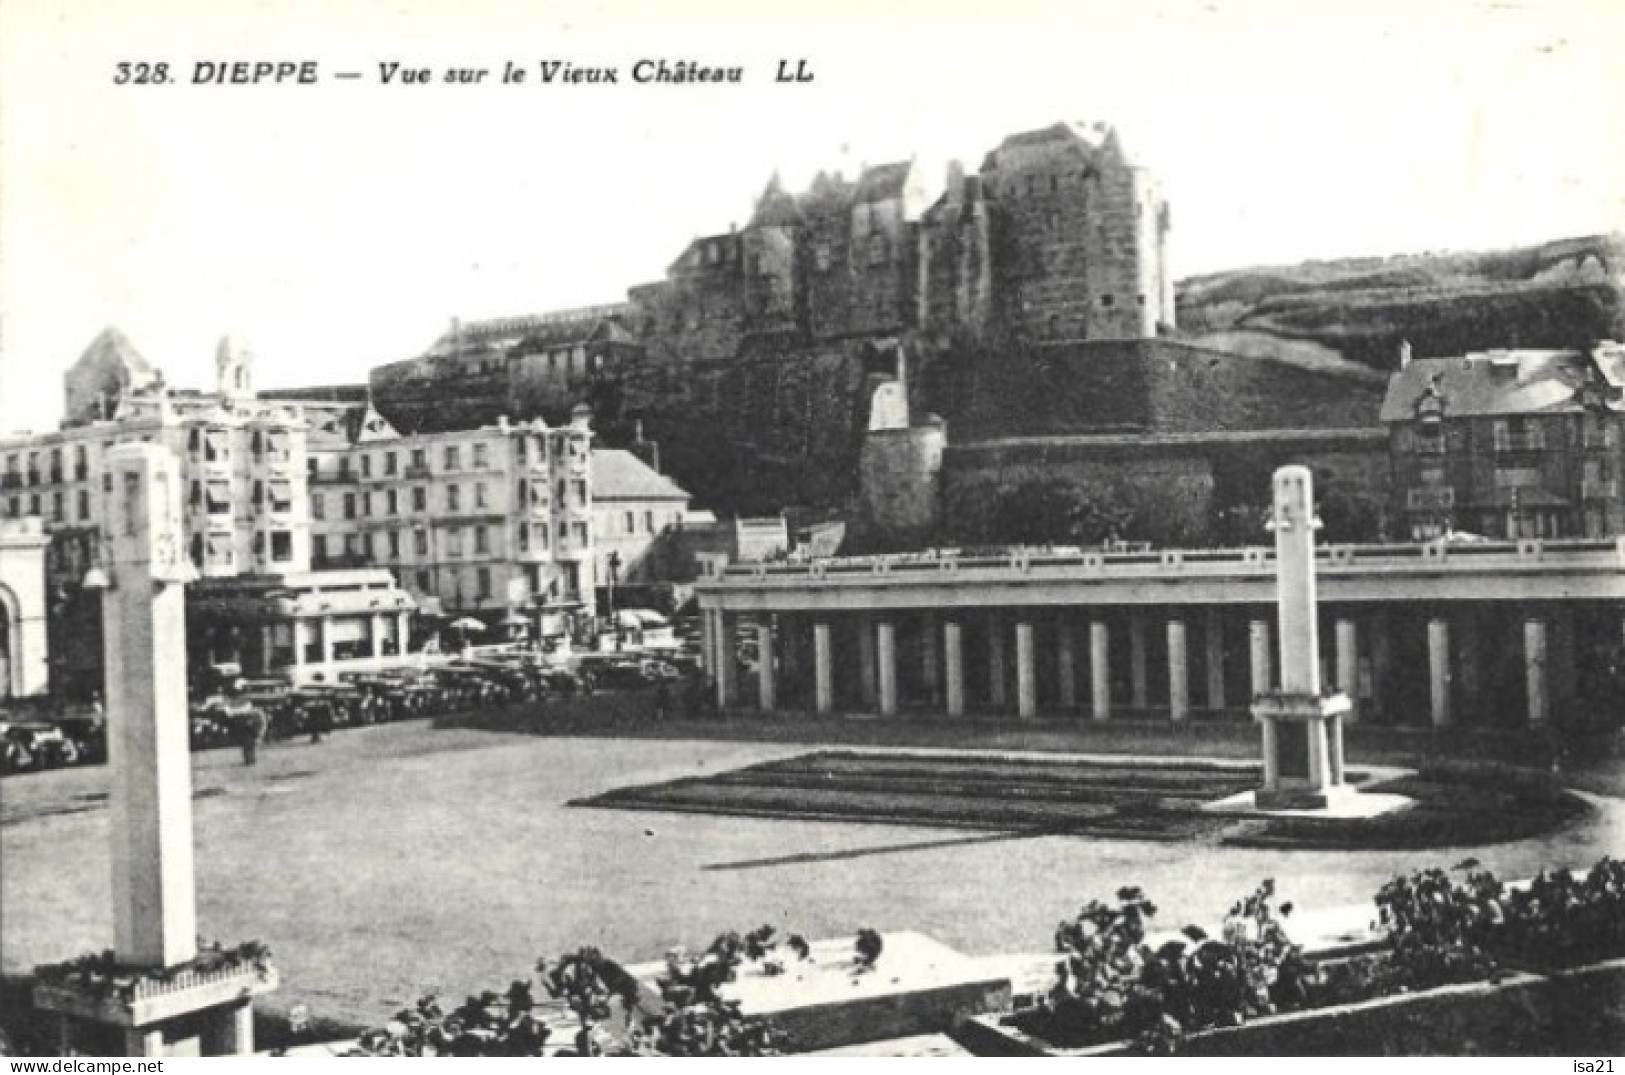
[(339, 226)]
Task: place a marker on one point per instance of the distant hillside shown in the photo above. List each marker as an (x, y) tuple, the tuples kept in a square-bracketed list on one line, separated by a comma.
[(1559, 294)]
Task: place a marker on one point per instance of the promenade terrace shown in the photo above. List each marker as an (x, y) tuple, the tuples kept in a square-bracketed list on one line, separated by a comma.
[(1487, 634)]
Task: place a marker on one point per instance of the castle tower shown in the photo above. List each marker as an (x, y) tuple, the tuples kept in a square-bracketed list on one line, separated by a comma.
[(234, 370)]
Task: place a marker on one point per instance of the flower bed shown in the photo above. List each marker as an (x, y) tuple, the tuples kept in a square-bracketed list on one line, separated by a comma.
[(1442, 930), (612, 1012)]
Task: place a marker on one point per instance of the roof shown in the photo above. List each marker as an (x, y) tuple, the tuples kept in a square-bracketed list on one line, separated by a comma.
[(617, 474), (1497, 383), (498, 333), (883, 181)]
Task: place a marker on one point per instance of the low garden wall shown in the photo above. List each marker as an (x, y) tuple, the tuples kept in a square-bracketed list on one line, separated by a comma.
[(1573, 1013)]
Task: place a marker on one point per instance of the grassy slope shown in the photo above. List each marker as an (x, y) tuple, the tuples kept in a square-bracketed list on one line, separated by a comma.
[(1562, 293)]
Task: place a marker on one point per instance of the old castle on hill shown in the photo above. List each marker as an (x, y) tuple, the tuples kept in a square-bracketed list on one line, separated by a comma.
[(1060, 236), (1031, 297)]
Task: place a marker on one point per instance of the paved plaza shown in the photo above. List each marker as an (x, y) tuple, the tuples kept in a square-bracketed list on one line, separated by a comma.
[(400, 859)]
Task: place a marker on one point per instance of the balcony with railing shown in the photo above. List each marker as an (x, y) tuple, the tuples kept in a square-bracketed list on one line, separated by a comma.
[(1430, 498)]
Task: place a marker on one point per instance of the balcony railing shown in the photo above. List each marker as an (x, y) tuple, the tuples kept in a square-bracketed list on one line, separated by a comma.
[(1599, 489), (1428, 499)]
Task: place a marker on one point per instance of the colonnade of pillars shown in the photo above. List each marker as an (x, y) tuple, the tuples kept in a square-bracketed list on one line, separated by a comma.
[(1073, 662)]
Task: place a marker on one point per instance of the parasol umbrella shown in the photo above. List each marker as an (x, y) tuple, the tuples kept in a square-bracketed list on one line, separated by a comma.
[(468, 623)]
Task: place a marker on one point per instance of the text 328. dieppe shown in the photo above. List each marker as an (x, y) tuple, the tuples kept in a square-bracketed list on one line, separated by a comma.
[(254, 72)]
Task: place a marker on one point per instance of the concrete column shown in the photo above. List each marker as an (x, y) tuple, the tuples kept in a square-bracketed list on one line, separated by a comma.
[(1348, 665), (1026, 671), (1258, 652), (1439, 671), (823, 669), (1100, 677), (1213, 638), (1535, 672), (886, 657), (953, 666), (265, 648), (868, 683), (230, 1031), (1139, 688), (766, 692), (1066, 663), (997, 695), (403, 632), (1272, 764), (149, 762), (1179, 672), (325, 626), (1334, 748), (143, 1042), (930, 670)]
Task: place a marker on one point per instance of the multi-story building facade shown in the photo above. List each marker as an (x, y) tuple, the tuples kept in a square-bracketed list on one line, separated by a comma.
[(635, 508), (476, 520), (1510, 444), (242, 465)]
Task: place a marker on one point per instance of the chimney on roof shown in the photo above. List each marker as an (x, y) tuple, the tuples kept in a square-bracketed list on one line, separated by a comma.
[(956, 182), (1404, 354)]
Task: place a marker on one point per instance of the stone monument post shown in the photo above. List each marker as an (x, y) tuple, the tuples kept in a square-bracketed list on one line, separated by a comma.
[(1301, 726), (158, 993)]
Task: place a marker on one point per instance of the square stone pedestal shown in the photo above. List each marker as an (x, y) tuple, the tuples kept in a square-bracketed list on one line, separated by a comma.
[(918, 986), (193, 1013), (1303, 750)]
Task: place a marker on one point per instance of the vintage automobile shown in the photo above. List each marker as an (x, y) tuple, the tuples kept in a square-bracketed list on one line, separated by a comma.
[(28, 745)]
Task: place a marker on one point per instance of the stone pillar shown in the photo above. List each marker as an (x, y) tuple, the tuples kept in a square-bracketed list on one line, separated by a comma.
[(1348, 665), (1066, 663), (930, 672), (266, 648), (823, 669), (766, 692), (144, 1042), (886, 657), (1258, 649), (1139, 687), (1213, 637), (1100, 675), (149, 760), (1439, 671), (997, 695), (1026, 671), (1272, 760), (1534, 670), (231, 1032), (403, 632), (1179, 687), (868, 683), (953, 667), (325, 626)]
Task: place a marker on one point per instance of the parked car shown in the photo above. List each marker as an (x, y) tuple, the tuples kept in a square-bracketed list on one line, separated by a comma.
[(34, 744)]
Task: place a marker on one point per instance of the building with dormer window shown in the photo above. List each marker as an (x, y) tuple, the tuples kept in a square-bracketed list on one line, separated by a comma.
[(1509, 444)]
